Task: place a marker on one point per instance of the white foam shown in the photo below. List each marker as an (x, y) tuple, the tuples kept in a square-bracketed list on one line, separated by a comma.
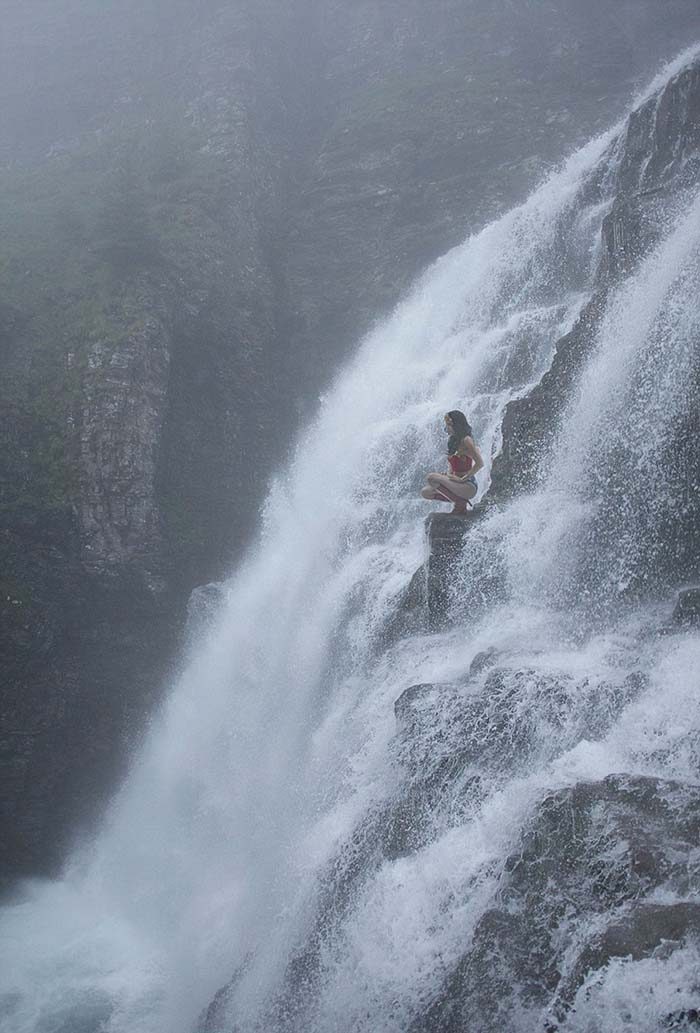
[(274, 742)]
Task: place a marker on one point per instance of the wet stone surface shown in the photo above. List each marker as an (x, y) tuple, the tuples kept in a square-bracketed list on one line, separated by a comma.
[(590, 857), (687, 608)]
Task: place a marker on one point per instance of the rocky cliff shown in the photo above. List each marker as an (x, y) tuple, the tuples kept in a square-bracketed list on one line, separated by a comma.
[(143, 383), (657, 169)]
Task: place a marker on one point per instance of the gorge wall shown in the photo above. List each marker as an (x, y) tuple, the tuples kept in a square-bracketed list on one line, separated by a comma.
[(202, 207)]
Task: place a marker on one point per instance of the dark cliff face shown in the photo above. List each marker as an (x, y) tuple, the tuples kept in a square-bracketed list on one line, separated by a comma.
[(657, 172), (144, 384), (202, 205)]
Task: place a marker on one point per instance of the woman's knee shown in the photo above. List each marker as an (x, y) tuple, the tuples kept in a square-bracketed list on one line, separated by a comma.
[(434, 479), (427, 493)]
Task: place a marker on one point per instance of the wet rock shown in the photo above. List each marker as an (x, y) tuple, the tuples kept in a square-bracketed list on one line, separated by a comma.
[(124, 400), (479, 995), (641, 828), (218, 1016), (517, 716), (662, 140), (530, 423), (590, 851), (627, 235), (419, 705), (688, 1019), (645, 930), (656, 167), (446, 538), (453, 740), (71, 715), (687, 608), (482, 661), (409, 615)]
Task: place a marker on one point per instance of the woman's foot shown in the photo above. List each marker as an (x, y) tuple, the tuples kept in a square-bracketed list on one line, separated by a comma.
[(459, 509)]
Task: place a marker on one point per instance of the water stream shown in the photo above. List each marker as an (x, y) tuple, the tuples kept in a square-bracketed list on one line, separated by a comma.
[(239, 832)]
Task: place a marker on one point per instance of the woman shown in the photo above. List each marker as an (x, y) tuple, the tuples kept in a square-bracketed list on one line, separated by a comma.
[(459, 484)]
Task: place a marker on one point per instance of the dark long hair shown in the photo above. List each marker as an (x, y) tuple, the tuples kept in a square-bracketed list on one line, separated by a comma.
[(461, 429)]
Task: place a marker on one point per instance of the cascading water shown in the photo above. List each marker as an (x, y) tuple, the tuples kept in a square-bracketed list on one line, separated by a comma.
[(273, 836)]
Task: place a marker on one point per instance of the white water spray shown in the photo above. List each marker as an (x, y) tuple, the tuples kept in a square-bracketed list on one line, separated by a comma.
[(275, 742)]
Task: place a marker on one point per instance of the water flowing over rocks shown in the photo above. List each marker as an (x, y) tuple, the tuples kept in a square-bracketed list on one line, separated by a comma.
[(206, 206), (446, 539), (516, 842), (656, 171), (530, 424), (659, 158), (513, 714), (687, 608), (492, 727), (426, 603), (591, 858), (604, 872)]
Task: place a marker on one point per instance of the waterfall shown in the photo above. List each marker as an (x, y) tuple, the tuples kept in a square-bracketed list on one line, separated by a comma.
[(242, 851)]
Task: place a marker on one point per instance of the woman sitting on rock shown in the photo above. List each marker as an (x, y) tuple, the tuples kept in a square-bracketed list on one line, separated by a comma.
[(459, 484)]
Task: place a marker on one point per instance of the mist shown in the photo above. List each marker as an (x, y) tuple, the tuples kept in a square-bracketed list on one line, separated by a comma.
[(249, 253)]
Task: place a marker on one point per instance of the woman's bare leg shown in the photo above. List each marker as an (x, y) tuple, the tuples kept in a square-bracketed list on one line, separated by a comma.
[(433, 496), (455, 491)]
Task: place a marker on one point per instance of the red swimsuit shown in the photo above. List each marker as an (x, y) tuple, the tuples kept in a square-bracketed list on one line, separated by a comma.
[(460, 464)]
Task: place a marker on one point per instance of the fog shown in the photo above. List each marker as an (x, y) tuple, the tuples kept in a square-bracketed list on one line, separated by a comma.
[(204, 206), (215, 224)]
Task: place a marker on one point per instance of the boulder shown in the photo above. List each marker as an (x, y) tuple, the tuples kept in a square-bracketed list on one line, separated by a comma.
[(594, 851), (517, 717), (446, 536), (482, 661), (643, 930)]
